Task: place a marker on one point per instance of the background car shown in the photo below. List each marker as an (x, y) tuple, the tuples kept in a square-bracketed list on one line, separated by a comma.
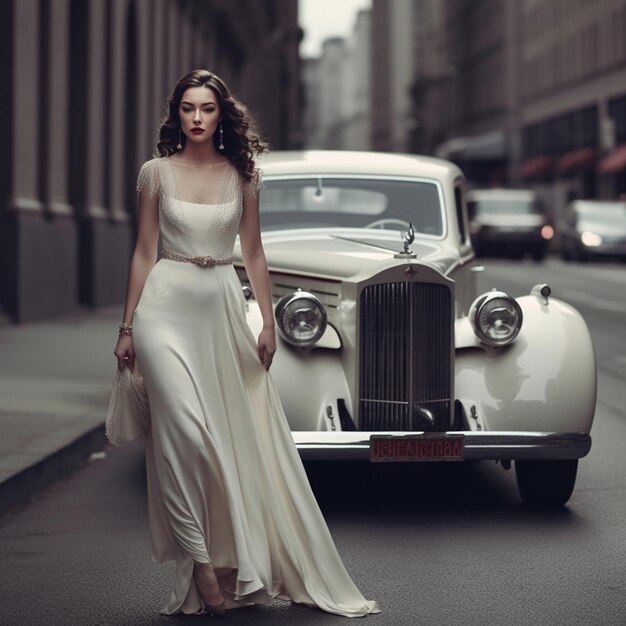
[(387, 352), (593, 228), (510, 222)]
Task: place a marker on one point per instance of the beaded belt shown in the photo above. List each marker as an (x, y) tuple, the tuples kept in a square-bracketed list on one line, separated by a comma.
[(201, 261)]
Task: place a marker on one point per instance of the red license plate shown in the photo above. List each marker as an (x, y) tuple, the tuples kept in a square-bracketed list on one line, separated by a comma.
[(425, 447)]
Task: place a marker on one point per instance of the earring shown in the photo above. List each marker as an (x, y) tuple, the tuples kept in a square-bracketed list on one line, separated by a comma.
[(179, 146), (221, 146)]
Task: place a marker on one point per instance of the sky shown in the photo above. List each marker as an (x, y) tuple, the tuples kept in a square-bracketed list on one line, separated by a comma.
[(321, 19)]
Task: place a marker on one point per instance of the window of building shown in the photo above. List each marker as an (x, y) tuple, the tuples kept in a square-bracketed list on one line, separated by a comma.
[(589, 122), (617, 111)]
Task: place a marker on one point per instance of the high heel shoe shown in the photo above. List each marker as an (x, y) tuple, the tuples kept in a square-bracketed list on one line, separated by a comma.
[(202, 571)]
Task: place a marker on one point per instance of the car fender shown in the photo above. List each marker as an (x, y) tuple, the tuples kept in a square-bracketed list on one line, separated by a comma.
[(544, 381), (309, 381)]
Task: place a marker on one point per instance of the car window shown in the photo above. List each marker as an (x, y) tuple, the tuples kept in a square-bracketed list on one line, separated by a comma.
[(615, 212), (506, 207), (351, 203)]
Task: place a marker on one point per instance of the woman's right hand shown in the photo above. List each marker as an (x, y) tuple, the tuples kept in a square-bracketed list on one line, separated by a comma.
[(125, 352)]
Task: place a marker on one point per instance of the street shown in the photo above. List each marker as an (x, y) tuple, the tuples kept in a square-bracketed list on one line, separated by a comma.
[(435, 544)]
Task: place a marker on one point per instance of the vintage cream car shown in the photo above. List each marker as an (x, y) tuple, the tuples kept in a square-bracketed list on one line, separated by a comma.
[(386, 350)]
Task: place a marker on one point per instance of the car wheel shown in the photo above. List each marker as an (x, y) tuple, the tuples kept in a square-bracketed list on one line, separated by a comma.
[(546, 484)]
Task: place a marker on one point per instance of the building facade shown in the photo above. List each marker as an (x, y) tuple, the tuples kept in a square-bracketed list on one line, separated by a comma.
[(329, 94), (357, 134), (573, 94), (534, 93), (472, 85), (87, 82), (517, 92), (337, 91), (393, 67), (433, 70)]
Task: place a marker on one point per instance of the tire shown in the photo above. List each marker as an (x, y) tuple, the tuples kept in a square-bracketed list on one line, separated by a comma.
[(546, 484)]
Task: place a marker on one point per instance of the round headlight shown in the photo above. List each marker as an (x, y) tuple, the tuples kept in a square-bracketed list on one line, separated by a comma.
[(301, 318), (496, 318), (590, 239)]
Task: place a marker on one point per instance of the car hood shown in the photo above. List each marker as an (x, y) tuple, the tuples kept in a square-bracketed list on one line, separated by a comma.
[(345, 253)]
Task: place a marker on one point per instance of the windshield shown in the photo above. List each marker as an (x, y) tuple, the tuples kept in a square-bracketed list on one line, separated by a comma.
[(323, 202), (505, 207), (615, 213)]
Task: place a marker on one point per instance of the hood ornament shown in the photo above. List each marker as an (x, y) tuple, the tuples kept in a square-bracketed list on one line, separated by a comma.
[(407, 239)]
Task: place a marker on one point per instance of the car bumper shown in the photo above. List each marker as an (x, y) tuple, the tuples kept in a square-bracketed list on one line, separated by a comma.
[(354, 445)]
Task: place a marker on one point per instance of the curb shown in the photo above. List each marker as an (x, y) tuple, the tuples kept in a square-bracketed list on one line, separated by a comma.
[(18, 488)]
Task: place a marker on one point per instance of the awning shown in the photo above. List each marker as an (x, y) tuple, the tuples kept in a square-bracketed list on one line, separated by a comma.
[(576, 159), (614, 161), (489, 145), (536, 166)]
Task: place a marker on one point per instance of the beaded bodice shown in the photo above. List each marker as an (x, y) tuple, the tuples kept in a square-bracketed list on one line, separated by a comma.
[(196, 228)]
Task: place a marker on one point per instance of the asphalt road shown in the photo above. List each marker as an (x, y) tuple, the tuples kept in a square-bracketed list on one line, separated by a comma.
[(434, 544)]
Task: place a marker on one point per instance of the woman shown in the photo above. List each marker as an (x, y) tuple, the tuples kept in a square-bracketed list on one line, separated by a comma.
[(228, 497)]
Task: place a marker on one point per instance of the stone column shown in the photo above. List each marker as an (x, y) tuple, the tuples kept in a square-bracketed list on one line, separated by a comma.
[(62, 263), (117, 101), (173, 42), (26, 118), (96, 103), (186, 44), (23, 226), (122, 216), (159, 52), (58, 126), (143, 105), (207, 49), (103, 261)]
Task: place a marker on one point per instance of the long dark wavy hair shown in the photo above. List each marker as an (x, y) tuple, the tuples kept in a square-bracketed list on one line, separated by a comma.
[(241, 138)]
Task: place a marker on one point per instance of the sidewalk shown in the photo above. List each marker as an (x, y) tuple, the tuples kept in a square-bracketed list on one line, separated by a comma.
[(55, 382)]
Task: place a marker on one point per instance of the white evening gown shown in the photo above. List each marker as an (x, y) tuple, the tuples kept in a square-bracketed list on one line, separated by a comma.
[(225, 482)]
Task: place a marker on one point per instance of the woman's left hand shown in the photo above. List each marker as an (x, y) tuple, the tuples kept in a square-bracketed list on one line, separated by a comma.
[(267, 346)]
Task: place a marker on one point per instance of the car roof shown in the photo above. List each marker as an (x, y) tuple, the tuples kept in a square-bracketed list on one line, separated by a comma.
[(501, 194), (590, 204), (355, 163)]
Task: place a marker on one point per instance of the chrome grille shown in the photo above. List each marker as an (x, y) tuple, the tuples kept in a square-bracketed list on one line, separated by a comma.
[(405, 357)]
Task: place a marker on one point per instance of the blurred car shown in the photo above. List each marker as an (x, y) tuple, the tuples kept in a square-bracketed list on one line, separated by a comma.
[(387, 351), (593, 228), (510, 222)]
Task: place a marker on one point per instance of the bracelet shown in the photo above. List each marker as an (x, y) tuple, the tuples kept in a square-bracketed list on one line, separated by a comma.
[(125, 329)]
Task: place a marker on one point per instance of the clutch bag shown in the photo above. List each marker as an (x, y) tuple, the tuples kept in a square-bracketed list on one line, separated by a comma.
[(128, 417)]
